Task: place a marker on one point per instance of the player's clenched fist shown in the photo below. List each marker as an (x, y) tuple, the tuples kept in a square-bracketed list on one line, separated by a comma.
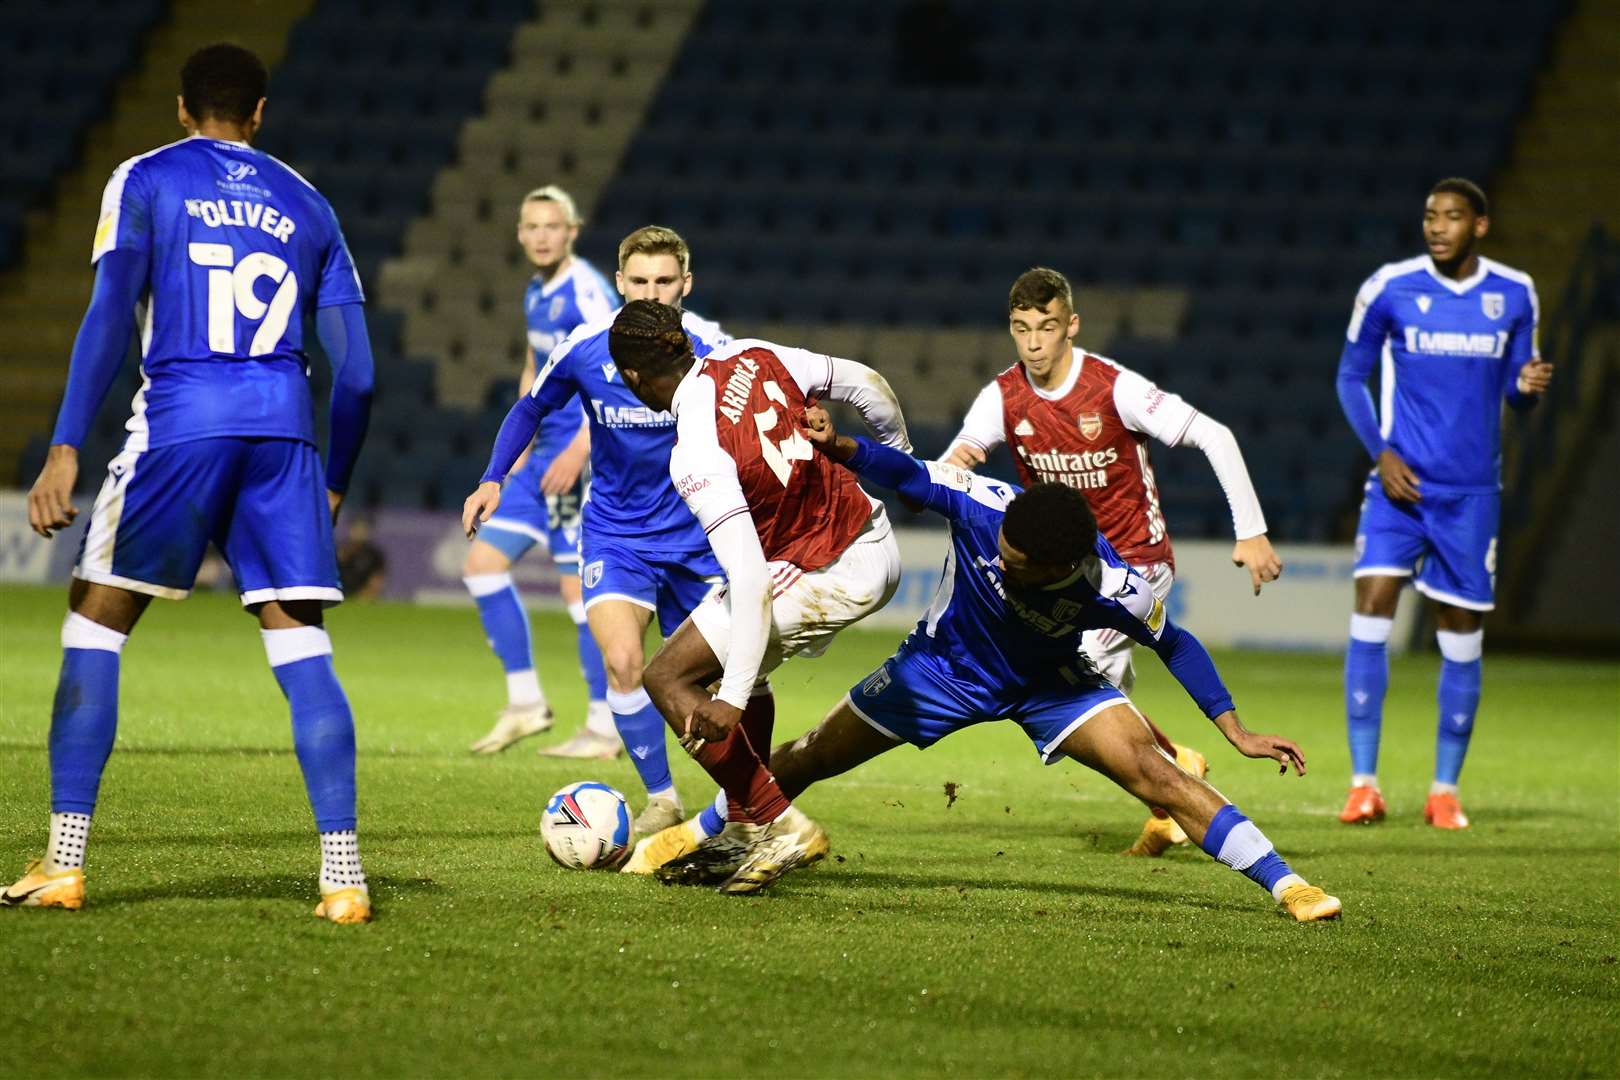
[(712, 721), (50, 500), (479, 506), (1535, 377)]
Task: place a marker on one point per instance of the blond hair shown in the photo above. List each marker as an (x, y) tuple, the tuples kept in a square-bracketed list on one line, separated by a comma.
[(656, 240), (553, 193)]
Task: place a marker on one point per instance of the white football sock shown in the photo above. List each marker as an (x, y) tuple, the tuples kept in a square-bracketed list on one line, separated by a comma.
[(340, 861), (599, 720), (523, 689), (1438, 788), (1364, 779), (1284, 883), (69, 834)]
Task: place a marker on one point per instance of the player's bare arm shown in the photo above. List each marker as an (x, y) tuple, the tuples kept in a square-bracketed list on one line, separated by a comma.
[(50, 500)]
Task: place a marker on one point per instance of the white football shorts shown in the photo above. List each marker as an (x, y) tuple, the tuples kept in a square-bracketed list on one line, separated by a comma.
[(808, 609)]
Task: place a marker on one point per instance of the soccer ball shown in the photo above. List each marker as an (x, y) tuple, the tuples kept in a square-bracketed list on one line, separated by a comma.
[(587, 826)]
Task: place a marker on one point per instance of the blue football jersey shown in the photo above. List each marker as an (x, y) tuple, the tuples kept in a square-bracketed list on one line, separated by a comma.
[(551, 310), (1450, 351), (631, 496), (1010, 638), (240, 251)]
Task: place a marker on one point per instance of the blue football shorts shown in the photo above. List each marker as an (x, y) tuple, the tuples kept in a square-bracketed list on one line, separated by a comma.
[(261, 501), (671, 583), (526, 518), (1447, 540), (915, 697)]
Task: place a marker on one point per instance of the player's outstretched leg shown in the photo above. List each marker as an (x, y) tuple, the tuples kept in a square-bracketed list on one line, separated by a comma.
[(1458, 699), (506, 628), (599, 738), (1118, 744), (619, 626), (300, 655)]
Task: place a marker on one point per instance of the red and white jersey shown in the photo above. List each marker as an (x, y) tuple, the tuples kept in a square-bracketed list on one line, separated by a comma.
[(1090, 433), (740, 448)]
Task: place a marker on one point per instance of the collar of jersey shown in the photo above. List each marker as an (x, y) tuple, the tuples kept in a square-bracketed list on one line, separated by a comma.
[(227, 142), (1079, 572), (549, 287), (1068, 383), (1458, 287)]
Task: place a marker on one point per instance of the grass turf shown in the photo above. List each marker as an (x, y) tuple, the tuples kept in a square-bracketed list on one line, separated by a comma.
[(999, 935)]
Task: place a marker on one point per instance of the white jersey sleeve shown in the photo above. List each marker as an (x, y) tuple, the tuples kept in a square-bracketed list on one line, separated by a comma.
[(985, 425), (1146, 408), (830, 377)]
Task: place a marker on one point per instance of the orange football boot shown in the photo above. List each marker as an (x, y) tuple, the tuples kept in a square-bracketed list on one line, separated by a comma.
[(1364, 806), (1443, 811)]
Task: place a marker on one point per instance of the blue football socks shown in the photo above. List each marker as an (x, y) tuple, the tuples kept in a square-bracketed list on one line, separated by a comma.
[(506, 627), (322, 725), (1458, 698), (84, 715), (1234, 840), (1366, 680), (641, 728)]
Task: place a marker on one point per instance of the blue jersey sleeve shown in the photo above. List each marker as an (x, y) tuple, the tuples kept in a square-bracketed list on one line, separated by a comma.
[(955, 493), (342, 331), (1523, 347), (98, 350), (1190, 663), (1363, 347), (340, 281)]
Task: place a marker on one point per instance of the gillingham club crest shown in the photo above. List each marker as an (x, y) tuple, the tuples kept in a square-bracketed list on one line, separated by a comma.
[(1494, 304), (1090, 425)]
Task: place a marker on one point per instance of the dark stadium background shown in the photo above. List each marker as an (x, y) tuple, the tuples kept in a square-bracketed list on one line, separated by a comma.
[(867, 178)]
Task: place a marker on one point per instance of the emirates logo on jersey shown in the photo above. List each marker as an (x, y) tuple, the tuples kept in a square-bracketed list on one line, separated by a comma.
[(1090, 425)]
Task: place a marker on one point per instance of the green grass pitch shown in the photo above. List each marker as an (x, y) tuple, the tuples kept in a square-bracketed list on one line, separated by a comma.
[(1000, 935)]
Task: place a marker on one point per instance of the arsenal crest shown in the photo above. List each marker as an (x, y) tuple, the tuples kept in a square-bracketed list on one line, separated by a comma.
[(1090, 425), (1494, 304)]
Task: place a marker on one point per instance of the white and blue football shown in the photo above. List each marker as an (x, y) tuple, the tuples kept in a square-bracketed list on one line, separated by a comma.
[(586, 826)]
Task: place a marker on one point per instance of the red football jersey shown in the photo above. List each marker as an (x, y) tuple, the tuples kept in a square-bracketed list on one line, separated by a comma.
[(806, 509), (1080, 440)]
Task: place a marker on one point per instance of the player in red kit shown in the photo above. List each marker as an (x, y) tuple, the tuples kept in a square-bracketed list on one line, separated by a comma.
[(806, 553), (1084, 421)]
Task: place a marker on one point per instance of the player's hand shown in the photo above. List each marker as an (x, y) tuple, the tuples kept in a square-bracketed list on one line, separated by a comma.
[(479, 506), (711, 721), (334, 503), (1275, 747), (1400, 482), (1262, 562), (1535, 377), (966, 456), (818, 427), (563, 472), (50, 500)]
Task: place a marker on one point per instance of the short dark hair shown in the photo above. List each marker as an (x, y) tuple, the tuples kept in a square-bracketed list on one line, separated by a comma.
[(1457, 185), (223, 82), (1038, 287), (1051, 524), (647, 337)]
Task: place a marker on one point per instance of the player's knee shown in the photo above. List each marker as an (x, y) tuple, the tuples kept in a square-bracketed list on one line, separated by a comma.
[(624, 667), (483, 558)]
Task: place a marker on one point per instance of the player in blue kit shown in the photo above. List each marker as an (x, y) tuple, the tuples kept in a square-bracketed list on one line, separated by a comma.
[(543, 494), (1026, 575), (221, 251), (1454, 335), (642, 552)]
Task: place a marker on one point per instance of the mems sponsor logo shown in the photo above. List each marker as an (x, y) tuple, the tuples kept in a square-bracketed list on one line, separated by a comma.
[(1056, 624), (621, 416), (1451, 343)]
